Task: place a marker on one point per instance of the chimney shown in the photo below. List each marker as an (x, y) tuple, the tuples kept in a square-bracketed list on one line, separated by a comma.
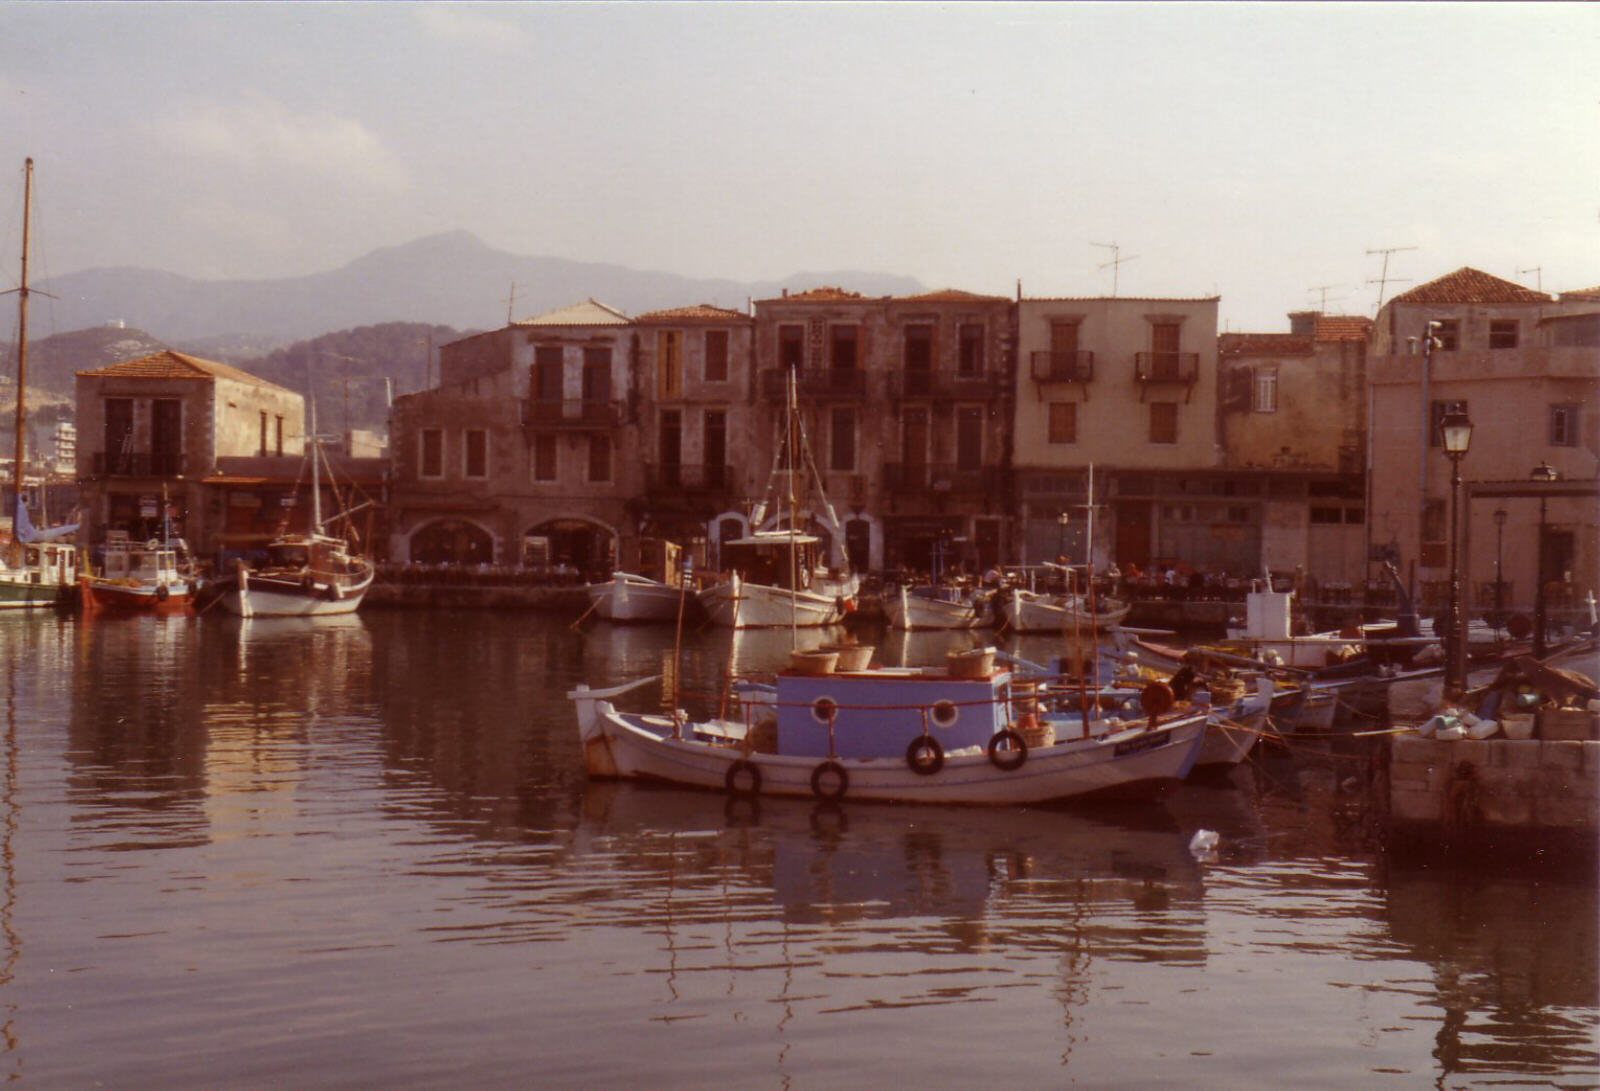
[(1303, 323)]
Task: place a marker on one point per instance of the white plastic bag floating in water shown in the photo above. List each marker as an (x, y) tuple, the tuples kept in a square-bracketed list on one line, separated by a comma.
[(1203, 845)]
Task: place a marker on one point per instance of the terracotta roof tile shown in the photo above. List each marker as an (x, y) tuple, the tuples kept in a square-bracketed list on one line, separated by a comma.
[(1468, 285), (950, 295), (1343, 327), (1120, 299), (700, 312), (826, 294), (176, 365), (588, 313), (1263, 344), (1582, 295)]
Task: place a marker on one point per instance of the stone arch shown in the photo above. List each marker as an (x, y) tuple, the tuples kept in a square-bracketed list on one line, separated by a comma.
[(577, 542), (452, 540), (724, 527)]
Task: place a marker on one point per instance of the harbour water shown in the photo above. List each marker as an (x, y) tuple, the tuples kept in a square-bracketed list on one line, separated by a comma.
[(362, 852)]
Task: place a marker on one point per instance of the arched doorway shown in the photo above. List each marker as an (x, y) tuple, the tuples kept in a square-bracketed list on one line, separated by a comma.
[(577, 545), (451, 541)]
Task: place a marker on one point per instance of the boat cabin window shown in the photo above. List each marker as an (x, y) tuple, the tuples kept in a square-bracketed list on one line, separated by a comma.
[(289, 556)]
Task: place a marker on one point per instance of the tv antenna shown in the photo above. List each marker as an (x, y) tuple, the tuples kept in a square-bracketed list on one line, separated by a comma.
[(1322, 306), (511, 302), (1117, 260), (1384, 278), (1538, 276)]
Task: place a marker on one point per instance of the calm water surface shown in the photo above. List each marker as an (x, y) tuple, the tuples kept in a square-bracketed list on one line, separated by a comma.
[(363, 853)]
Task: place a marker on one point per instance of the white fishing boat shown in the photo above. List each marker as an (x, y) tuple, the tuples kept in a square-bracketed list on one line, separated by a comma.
[(932, 606), (38, 569), (306, 575), (952, 734), (1032, 612), (627, 596), (777, 575)]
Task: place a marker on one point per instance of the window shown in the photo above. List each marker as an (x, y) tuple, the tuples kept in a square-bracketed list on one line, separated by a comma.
[(669, 447), (970, 340), (1437, 411), (475, 453), (919, 347), (544, 457), (1164, 359), (263, 448), (547, 378), (597, 373), (1163, 422), (1063, 422), (843, 345), (969, 438), (842, 441), (669, 365), (791, 347), (280, 435), (599, 458), (716, 356), (715, 436), (1448, 335), (431, 460), (1503, 333), (1564, 425), (166, 436), (1266, 390)]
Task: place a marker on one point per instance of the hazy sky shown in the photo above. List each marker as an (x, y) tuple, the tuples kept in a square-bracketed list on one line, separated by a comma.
[(1255, 151)]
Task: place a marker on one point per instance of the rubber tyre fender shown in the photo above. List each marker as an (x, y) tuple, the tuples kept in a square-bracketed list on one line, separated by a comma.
[(730, 779), (162, 594), (925, 756), (1011, 759), (818, 782)]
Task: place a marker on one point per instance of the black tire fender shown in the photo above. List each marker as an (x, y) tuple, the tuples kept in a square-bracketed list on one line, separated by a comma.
[(925, 756), (1014, 754), (731, 779), (819, 785)]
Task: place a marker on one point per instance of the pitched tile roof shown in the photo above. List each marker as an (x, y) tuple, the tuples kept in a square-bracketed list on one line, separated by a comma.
[(588, 313), (1581, 295), (825, 294), (1263, 344), (1342, 327), (1468, 285), (949, 295), (176, 365), (700, 312)]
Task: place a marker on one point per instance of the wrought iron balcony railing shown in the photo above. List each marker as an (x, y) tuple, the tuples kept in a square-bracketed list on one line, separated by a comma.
[(690, 477), (819, 382), (911, 383), (571, 413), (1166, 367), (1063, 367), (138, 464), (916, 478)]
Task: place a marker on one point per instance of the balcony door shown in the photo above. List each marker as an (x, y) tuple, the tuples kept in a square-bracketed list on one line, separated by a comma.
[(1164, 351), (166, 437), (914, 446), (119, 435), (670, 447)]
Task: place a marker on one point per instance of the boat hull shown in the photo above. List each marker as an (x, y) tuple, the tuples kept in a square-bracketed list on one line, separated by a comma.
[(634, 598), (23, 594), (757, 606), (910, 611), (1041, 615), (262, 596), (124, 597), (1135, 762)]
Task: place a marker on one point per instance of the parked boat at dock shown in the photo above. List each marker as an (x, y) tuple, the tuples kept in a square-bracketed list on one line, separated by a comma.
[(141, 577)]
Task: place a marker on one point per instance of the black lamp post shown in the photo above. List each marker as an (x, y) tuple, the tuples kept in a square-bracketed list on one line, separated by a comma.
[(1544, 472), (1499, 578), (1456, 429)]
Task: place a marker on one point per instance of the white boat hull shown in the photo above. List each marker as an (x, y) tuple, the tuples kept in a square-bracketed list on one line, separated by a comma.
[(1034, 614), (272, 598), (626, 597), (738, 605), (910, 611), (629, 746)]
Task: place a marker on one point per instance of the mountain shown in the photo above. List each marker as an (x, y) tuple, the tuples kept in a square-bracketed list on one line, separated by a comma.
[(53, 360), (452, 279)]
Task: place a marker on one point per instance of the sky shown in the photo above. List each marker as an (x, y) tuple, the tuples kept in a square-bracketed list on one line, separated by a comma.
[(1259, 152)]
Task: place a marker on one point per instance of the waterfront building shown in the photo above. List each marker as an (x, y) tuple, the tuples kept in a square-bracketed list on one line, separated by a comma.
[(1291, 417), (1524, 365), (907, 404), (1127, 386), (167, 425), (526, 453)]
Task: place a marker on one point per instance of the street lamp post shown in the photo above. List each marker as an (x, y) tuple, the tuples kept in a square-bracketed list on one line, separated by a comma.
[(1499, 577), (1456, 429), (1544, 473)]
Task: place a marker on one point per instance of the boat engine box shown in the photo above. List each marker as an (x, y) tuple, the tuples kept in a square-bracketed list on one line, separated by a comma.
[(877, 714)]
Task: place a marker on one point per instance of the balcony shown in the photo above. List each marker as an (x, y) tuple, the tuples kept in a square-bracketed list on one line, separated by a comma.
[(919, 479), (1063, 367), (835, 382), (138, 464), (688, 477), (945, 384), (1166, 367), (571, 414)]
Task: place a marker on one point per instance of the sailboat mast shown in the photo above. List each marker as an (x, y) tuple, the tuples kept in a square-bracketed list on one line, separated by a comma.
[(316, 483), (793, 408), (22, 339)]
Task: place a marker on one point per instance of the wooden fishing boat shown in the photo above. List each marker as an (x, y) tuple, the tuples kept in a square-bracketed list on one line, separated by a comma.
[(951, 734), (141, 577), (933, 606)]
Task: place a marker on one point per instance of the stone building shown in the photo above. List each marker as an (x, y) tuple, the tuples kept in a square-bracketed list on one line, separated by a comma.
[(1291, 414), (167, 425), (526, 451), (1524, 366), (1128, 387), (907, 408)]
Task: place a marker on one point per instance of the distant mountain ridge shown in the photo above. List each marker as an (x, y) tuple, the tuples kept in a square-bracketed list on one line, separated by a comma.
[(451, 279)]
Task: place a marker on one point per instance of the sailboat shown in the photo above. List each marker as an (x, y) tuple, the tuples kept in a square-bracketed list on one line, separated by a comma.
[(38, 569), (306, 575), (776, 578)]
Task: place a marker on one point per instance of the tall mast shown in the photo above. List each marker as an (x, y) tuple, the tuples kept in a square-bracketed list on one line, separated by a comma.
[(22, 338), (316, 484)]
